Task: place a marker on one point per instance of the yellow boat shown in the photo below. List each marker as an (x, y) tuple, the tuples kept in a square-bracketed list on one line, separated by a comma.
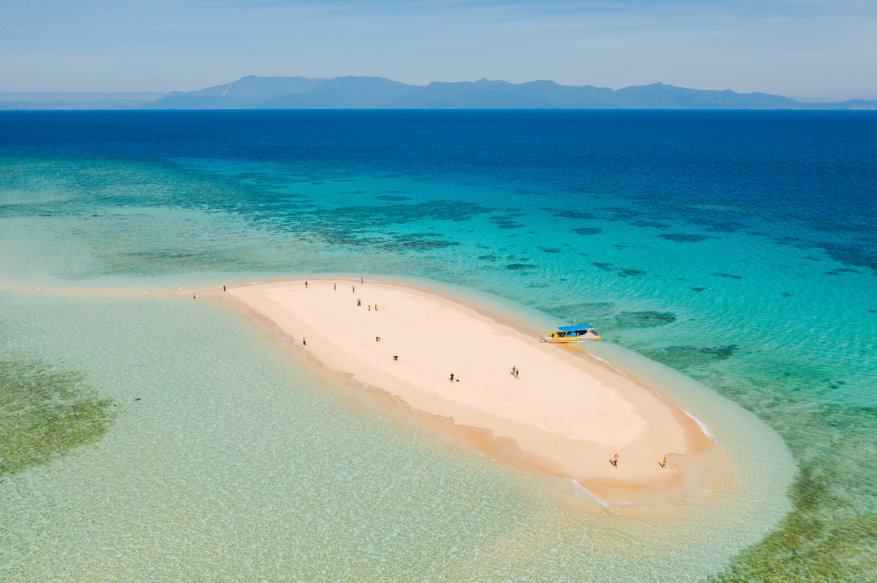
[(566, 334)]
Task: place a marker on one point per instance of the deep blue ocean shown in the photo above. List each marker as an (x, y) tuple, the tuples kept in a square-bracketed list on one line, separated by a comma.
[(737, 248)]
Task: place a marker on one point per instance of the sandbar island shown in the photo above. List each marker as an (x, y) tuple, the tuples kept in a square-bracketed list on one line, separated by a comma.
[(564, 414)]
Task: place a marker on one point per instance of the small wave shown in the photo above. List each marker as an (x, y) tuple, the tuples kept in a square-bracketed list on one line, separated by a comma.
[(703, 427), (577, 488), (609, 364)]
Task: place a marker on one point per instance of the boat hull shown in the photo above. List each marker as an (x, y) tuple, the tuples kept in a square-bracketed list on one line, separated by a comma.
[(567, 340)]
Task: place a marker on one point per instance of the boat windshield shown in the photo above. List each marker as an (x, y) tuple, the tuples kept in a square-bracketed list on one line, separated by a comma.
[(573, 332)]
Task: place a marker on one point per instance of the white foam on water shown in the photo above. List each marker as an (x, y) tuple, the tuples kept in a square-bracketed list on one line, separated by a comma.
[(703, 427), (603, 360)]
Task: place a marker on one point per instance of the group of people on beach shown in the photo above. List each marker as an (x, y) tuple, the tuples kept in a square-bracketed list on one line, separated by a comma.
[(614, 462), (515, 372), (195, 298), (358, 303), (334, 286)]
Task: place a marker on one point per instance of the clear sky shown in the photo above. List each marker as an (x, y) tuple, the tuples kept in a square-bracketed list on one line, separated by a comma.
[(808, 48)]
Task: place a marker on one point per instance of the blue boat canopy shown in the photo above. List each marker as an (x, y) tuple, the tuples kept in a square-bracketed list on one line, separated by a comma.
[(579, 328)]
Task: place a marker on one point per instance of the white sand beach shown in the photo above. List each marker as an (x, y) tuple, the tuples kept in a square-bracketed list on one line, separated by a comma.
[(568, 414)]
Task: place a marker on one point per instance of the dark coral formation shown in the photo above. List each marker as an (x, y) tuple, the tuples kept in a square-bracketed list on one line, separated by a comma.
[(682, 357), (644, 319), (46, 413), (683, 237)]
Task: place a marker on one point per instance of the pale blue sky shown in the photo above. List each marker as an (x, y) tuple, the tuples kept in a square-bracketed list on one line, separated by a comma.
[(809, 48)]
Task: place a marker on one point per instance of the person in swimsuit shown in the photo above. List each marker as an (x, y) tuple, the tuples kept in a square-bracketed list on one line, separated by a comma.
[(376, 307), (335, 287), (377, 338), (614, 461), (664, 464), (306, 285), (358, 302), (223, 288), (304, 341), (452, 377), (354, 288)]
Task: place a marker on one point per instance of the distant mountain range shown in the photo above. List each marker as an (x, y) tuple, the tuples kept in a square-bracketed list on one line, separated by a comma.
[(76, 100), (378, 93)]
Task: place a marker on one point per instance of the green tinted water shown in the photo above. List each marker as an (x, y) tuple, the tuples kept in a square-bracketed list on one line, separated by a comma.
[(230, 460)]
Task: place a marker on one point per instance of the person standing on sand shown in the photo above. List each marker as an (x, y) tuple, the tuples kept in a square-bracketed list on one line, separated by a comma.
[(361, 280), (452, 377), (334, 287), (304, 341), (358, 303), (376, 307), (223, 288), (353, 287), (306, 285), (614, 461), (369, 307), (664, 464)]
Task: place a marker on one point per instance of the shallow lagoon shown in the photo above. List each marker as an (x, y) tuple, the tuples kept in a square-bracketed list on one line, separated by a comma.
[(229, 459)]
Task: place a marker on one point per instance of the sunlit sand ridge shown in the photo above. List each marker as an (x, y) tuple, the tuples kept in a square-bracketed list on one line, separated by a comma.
[(569, 415)]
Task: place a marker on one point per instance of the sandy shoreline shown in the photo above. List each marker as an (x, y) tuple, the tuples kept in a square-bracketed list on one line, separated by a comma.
[(566, 415)]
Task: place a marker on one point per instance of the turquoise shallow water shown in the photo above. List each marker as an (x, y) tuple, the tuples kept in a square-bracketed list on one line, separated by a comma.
[(738, 252), (231, 461)]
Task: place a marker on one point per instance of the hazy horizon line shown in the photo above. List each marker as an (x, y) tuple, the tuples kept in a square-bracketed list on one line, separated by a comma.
[(5, 94)]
